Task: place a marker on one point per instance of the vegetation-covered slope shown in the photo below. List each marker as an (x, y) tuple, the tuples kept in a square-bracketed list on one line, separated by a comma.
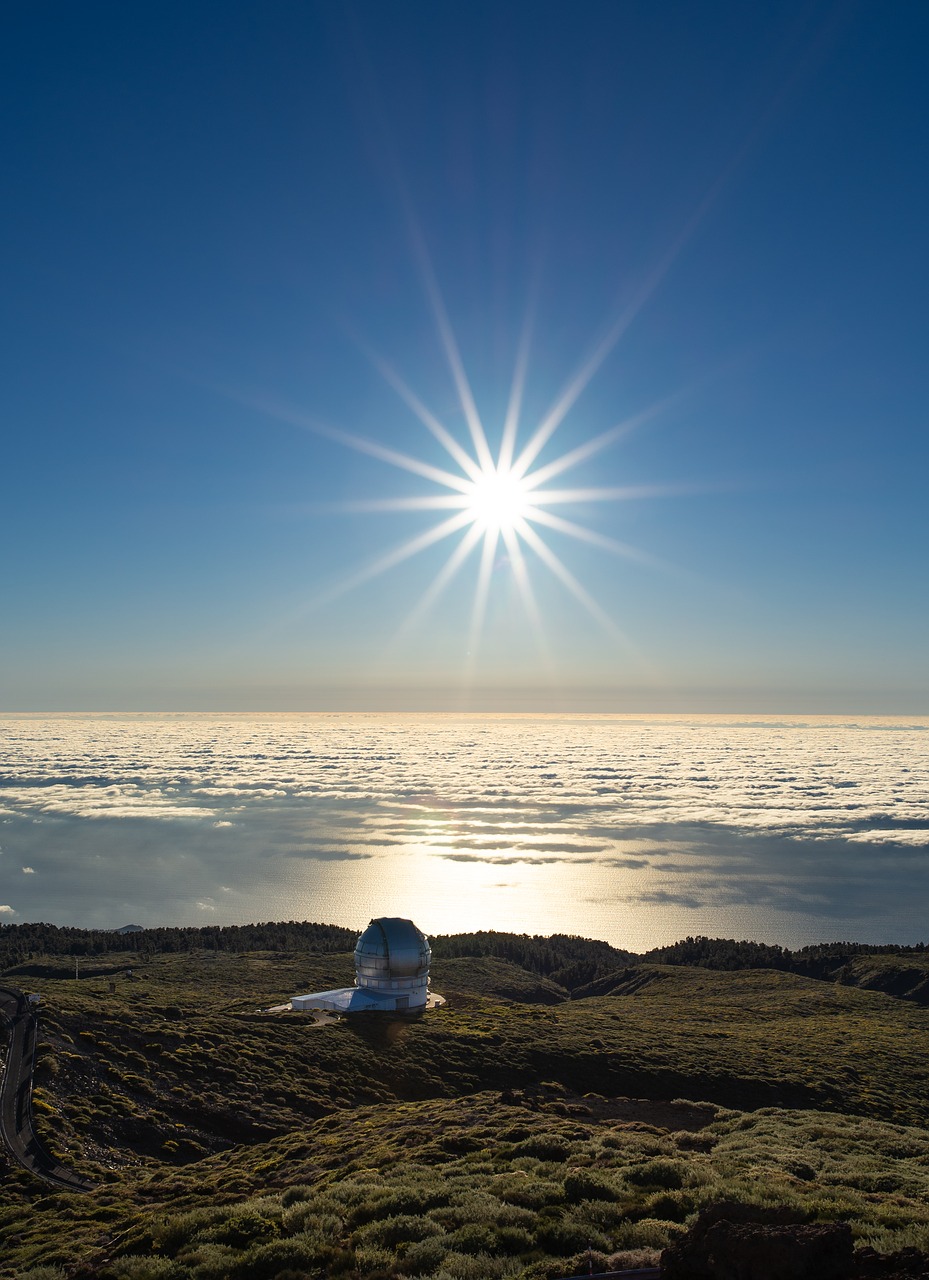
[(176, 1093), (903, 976), (479, 1187)]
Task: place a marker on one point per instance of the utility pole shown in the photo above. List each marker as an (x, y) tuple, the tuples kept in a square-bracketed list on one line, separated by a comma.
[(76, 965)]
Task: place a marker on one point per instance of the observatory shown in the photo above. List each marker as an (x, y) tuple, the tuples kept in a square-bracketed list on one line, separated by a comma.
[(392, 972)]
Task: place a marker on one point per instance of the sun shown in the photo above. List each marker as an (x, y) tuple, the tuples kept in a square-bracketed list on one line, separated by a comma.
[(498, 500), (496, 504)]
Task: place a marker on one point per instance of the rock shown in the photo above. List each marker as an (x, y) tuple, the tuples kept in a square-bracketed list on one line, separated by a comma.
[(907, 1264), (746, 1242)]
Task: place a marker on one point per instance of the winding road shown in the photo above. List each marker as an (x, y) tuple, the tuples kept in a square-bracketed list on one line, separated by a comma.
[(20, 1020)]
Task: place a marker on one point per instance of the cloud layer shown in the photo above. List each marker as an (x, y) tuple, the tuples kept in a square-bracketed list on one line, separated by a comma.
[(185, 817)]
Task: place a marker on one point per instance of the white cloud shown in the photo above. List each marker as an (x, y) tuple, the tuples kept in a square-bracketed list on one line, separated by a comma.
[(7, 910), (28, 871), (770, 808), (916, 837)]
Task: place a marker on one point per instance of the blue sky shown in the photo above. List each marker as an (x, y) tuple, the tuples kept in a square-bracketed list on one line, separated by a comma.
[(214, 212)]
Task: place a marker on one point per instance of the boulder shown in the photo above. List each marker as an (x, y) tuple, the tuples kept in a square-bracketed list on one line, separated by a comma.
[(746, 1242), (907, 1264)]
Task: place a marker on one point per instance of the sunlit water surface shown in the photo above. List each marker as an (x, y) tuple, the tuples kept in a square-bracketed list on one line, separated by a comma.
[(632, 829)]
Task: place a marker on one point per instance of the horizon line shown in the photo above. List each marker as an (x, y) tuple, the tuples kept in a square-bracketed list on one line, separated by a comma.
[(464, 710)]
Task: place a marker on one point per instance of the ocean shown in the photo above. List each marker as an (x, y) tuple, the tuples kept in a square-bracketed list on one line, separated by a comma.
[(634, 829)]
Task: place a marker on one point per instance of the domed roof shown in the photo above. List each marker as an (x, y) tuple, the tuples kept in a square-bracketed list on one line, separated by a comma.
[(392, 948)]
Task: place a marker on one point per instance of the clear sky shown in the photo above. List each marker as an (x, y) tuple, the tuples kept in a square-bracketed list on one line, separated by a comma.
[(702, 223)]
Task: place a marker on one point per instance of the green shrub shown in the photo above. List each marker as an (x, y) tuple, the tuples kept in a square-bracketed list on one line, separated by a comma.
[(647, 1232), (480, 1266), (241, 1228), (671, 1206), (266, 1261), (324, 1227), (400, 1200), (173, 1233), (295, 1194), (513, 1240), (403, 1229), (513, 1215), (459, 1144), (544, 1146), (474, 1237), (603, 1215), (582, 1184), (468, 1207), (568, 1235), (370, 1260), (528, 1191), (298, 1217), (589, 1260), (424, 1257), (139, 1268), (657, 1173), (210, 1261)]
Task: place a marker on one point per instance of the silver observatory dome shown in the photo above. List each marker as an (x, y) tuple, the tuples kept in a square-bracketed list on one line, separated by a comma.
[(392, 956)]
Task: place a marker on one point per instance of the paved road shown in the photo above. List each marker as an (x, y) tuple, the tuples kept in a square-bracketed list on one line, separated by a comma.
[(19, 1020)]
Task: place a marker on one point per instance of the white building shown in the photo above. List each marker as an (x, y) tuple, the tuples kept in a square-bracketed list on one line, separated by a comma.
[(392, 972)]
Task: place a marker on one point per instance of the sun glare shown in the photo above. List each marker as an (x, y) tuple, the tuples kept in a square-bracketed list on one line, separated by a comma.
[(499, 507), (498, 500)]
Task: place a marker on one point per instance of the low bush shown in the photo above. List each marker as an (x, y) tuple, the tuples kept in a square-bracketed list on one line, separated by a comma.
[(566, 1235), (479, 1266), (657, 1173), (585, 1185), (527, 1191), (293, 1195), (406, 1228), (171, 1234), (424, 1258), (140, 1268), (514, 1240), (267, 1261), (474, 1237), (241, 1228), (544, 1146)]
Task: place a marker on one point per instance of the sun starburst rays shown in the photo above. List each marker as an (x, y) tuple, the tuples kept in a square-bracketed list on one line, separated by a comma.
[(498, 505)]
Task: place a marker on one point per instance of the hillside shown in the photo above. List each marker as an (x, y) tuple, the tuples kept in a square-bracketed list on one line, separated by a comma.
[(906, 977), (379, 1142)]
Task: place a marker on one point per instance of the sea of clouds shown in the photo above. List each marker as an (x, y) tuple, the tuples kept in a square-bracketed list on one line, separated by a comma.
[(636, 829)]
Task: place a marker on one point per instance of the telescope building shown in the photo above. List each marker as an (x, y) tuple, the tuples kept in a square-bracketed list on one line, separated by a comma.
[(392, 972)]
